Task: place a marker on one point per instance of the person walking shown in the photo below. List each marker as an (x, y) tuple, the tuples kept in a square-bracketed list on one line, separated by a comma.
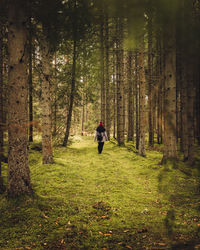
[(100, 137)]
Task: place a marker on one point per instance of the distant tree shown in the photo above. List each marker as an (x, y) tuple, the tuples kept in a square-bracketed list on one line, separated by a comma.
[(142, 99), (119, 75)]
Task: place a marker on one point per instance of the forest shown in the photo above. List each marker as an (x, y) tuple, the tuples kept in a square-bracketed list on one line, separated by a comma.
[(66, 65)]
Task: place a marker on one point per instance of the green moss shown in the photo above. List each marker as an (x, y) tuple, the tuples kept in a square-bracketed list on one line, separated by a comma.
[(114, 200)]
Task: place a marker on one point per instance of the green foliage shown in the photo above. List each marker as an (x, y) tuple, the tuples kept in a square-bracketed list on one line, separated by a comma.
[(116, 200)]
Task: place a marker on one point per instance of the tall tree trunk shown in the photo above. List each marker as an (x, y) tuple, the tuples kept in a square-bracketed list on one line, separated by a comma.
[(18, 169), (55, 100), (136, 102), (150, 94), (130, 97), (119, 58), (30, 84), (142, 99), (69, 117), (47, 150), (108, 118), (114, 93), (103, 97), (1, 107), (170, 139)]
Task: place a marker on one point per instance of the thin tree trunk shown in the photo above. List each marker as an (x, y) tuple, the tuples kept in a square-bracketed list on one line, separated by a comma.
[(30, 84), (114, 93), (103, 98), (108, 118), (69, 117), (47, 150), (136, 101), (55, 100), (130, 97), (18, 169), (150, 94), (142, 99), (119, 55)]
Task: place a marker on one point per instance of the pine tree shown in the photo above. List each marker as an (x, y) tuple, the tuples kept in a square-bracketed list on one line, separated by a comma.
[(18, 169)]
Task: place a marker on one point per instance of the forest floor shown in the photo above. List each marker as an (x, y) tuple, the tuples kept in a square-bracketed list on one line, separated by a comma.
[(116, 200)]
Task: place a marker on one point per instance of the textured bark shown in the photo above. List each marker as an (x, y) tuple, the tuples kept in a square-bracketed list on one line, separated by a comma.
[(136, 102), (47, 151), (18, 169), (1, 107), (108, 117), (142, 99), (103, 97), (30, 84), (130, 136), (170, 139), (150, 94), (119, 58), (69, 117)]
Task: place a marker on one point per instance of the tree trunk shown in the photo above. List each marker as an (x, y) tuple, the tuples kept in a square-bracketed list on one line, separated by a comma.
[(119, 58), (170, 139), (30, 84), (103, 97), (108, 118), (18, 169), (136, 101), (142, 99), (1, 108), (69, 117), (47, 150), (130, 97), (150, 94)]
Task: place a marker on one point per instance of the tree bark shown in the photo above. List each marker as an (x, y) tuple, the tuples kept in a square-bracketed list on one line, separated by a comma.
[(142, 100), (18, 169), (130, 97), (136, 102), (150, 94), (119, 58), (69, 117), (103, 96), (30, 80), (170, 139), (47, 150), (108, 117), (1, 107)]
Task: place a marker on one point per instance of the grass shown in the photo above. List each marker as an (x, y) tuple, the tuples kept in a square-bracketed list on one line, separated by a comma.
[(116, 200)]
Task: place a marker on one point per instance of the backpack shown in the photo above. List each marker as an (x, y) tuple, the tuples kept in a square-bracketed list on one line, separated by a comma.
[(99, 136)]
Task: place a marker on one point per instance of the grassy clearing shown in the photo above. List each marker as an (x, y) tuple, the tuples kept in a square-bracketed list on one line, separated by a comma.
[(117, 200)]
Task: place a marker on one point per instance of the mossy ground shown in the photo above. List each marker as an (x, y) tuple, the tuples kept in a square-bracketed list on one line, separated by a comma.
[(116, 200)]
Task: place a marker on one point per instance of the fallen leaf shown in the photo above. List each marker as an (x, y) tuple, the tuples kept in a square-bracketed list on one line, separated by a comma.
[(129, 247), (101, 233), (107, 234)]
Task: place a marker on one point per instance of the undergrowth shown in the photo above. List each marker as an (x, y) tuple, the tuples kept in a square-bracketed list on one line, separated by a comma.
[(116, 200)]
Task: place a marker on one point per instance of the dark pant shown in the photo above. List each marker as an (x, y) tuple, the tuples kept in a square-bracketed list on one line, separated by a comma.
[(100, 147)]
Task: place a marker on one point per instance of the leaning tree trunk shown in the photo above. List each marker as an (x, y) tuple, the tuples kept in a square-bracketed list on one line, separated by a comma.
[(18, 169), (47, 151), (142, 100), (170, 139), (69, 117)]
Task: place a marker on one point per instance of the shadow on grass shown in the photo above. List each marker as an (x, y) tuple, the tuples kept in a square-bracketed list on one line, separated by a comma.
[(180, 190)]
